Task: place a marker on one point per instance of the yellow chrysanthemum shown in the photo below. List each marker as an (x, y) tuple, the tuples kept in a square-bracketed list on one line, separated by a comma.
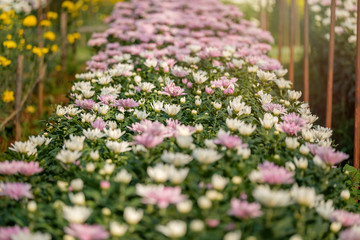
[(9, 44), (4, 61), (54, 48), (70, 6), (52, 15), (30, 109), (21, 32), (45, 23), (8, 37), (28, 47), (71, 38), (30, 21), (8, 96), (50, 36)]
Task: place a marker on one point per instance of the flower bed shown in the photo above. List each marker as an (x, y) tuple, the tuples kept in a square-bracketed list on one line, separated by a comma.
[(183, 129)]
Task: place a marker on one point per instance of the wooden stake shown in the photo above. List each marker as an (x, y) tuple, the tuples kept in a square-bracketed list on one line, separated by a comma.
[(306, 51), (63, 29), (280, 30), (41, 63), (329, 96), (357, 97), (19, 74), (292, 41)]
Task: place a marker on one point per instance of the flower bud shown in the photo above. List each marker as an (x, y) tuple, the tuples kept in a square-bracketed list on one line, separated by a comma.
[(32, 206)]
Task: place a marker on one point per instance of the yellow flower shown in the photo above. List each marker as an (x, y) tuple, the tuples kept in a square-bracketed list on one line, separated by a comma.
[(58, 68), (85, 8), (45, 50), (30, 21), (4, 61), (70, 6), (45, 23), (30, 109), (8, 37), (50, 36), (76, 36), (8, 96), (54, 48), (22, 41), (71, 38), (21, 32), (37, 51), (52, 15), (9, 44), (28, 47)]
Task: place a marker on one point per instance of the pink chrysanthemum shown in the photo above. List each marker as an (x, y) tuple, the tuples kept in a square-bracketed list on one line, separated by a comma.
[(272, 174), (126, 103), (159, 195), (292, 124), (7, 232), (85, 103), (347, 219), (274, 108), (229, 141), (99, 124), (244, 209), (172, 90), (327, 154), (15, 191), (87, 232)]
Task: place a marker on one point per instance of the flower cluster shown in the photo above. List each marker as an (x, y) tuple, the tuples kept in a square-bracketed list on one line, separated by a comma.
[(183, 128)]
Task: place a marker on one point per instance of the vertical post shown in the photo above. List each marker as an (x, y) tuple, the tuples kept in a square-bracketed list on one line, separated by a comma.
[(306, 51), (267, 6), (292, 41), (19, 74), (280, 30), (330, 80), (357, 97), (63, 30), (41, 62)]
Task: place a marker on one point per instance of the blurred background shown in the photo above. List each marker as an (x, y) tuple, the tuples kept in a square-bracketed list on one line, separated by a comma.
[(53, 39)]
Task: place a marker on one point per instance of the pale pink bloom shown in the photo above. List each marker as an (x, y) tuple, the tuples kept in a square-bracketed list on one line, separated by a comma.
[(175, 124), (99, 124), (15, 191), (347, 219), (212, 222), (179, 72), (107, 99), (327, 154), (209, 90), (29, 168), (274, 108), (244, 209), (148, 140), (85, 104), (229, 141), (229, 91), (126, 103), (9, 168), (7, 232), (352, 233), (104, 184), (273, 174), (172, 90), (153, 128), (87, 232), (292, 124), (159, 195)]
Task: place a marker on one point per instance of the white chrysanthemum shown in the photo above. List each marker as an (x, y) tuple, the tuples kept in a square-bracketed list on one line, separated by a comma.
[(27, 147), (157, 105), (265, 75), (68, 156), (272, 198), (219, 182), (305, 196), (173, 229), (177, 159), (114, 134), (22, 235), (93, 134), (88, 117), (76, 214), (75, 143), (172, 109), (294, 95), (39, 140), (123, 176), (133, 216), (200, 77), (159, 173), (206, 156), (325, 209), (118, 147)]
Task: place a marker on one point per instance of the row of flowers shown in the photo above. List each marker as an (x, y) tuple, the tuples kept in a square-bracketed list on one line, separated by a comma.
[(183, 128)]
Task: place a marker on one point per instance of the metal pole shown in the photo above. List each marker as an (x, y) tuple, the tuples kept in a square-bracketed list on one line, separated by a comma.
[(357, 97), (306, 51), (329, 97), (292, 40)]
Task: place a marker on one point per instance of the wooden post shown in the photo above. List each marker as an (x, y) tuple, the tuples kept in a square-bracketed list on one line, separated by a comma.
[(267, 6), (292, 41), (330, 80), (280, 29), (357, 97), (63, 29), (19, 74), (306, 51), (41, 63)]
